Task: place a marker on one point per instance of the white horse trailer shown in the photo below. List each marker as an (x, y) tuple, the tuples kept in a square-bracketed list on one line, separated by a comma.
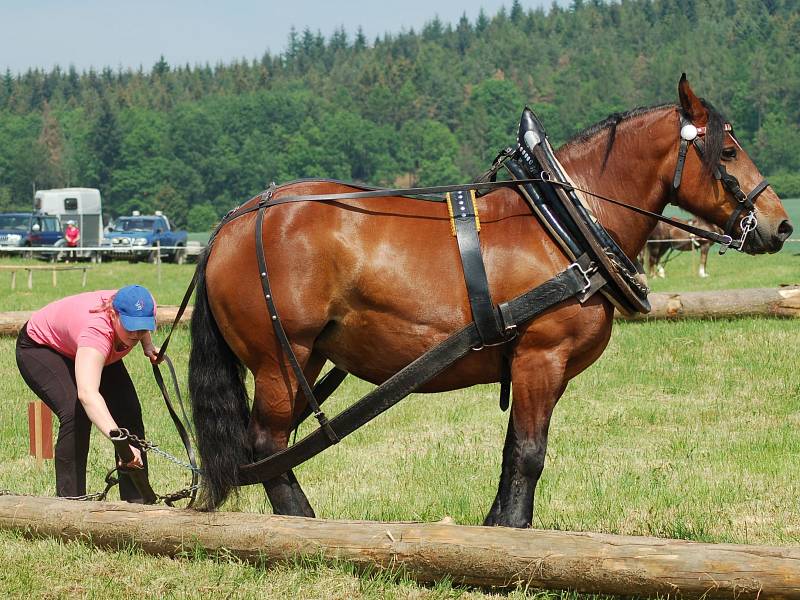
[(82, 205)]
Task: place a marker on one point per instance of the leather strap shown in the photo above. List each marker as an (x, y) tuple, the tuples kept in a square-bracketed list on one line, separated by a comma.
[(525, 307), (121, 440), (162, 386), (420, 193), (676, 180), (746, 204), (505, 382), (497, 164), (280, 333), (181, 309), (706, 234), (462, 209), (176, 420), (322, 391)]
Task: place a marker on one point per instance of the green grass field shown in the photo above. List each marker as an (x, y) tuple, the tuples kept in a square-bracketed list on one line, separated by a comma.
[(687, 429)]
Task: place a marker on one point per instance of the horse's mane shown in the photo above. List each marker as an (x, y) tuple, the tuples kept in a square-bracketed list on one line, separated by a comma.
[(714, 137)]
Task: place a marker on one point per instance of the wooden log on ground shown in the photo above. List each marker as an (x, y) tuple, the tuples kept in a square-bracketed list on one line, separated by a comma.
[(482, 556), (766, 302), (11, 322)]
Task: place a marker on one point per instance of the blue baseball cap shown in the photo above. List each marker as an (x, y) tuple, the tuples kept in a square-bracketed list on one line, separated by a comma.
[(136, 308)]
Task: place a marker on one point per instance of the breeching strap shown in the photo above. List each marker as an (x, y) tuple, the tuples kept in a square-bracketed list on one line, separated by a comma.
[(280, 333)]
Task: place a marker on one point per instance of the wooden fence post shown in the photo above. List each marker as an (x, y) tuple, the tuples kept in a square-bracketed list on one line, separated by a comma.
[(40, 430)]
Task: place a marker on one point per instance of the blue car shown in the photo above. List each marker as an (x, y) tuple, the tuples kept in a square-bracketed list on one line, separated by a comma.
[(24, 230), (140, 237)]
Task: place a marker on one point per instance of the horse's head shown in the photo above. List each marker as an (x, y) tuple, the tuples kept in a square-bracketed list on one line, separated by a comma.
[(715, 179)]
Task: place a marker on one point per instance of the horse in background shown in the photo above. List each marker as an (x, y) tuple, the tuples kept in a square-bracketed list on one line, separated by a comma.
[(667, 239)]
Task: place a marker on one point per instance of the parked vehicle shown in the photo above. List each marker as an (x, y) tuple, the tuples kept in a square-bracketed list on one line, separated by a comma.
[(141, 237), (25, 230), (84, 206)]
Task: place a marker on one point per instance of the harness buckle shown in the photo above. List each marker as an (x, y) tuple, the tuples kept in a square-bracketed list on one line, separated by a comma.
[(508, 324), (585, 273), (512, 329)]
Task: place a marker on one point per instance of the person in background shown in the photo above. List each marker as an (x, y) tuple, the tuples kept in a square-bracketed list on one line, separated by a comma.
[(70, 354), (72, 235)]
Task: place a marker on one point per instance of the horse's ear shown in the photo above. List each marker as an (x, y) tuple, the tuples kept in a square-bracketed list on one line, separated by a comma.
[(692, 106)]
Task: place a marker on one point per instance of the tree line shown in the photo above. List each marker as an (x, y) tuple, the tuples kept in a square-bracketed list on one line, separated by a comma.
[(416, 107)]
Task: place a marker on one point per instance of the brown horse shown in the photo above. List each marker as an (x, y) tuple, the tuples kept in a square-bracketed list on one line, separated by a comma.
[(370, 285), (667, 238)]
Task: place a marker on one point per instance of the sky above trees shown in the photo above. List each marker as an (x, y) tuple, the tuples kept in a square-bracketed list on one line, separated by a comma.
[(120, 33)]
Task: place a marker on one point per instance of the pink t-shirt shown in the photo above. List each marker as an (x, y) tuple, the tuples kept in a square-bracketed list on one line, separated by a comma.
[(67, 324)]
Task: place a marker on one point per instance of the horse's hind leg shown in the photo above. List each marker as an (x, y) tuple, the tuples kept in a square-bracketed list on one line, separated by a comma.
[(270, 426), (538, 381)]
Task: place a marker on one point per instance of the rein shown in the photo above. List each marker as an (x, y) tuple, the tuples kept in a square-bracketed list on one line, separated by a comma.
[(413, 193), (418, 193), (690, 133)]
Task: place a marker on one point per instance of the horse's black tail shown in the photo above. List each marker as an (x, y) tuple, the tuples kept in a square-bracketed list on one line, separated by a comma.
[(219, 401)]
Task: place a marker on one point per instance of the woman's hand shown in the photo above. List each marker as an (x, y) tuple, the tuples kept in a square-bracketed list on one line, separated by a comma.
[(151, 352), (136, 463)]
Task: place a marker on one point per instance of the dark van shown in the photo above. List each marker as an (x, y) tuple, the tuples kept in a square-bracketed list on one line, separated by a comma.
[(23, 230)]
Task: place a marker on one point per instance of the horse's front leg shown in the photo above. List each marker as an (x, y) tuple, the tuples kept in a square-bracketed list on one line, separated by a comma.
[(538, 382)]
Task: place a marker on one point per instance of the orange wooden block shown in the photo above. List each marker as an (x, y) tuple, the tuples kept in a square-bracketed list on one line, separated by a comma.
[(40, 430)]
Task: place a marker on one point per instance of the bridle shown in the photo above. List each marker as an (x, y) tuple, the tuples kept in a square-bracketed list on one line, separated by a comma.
[(745, 202)]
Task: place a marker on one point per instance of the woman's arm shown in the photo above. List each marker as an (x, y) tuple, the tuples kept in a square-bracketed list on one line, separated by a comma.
[(89, 363)]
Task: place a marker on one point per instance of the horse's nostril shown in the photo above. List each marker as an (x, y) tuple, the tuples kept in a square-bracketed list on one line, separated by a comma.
[(785, 229)]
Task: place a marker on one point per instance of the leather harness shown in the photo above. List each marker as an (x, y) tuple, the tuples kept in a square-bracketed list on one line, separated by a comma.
[(461, 205), (598, 265)]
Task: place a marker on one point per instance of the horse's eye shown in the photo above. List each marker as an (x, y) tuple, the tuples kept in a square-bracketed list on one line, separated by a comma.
[(729, 153)]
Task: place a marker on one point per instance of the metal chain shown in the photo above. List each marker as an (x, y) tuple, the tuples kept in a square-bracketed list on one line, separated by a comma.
[(111, 481), (146, 446), (186, 492)]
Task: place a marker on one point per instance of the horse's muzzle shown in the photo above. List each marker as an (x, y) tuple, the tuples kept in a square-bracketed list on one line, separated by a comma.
[(767, 239)]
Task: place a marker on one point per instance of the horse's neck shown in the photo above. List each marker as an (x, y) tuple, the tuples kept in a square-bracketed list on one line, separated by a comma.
[(637, 173)]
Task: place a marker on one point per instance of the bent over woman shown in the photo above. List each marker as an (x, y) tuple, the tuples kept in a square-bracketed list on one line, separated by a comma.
[(70, 354)]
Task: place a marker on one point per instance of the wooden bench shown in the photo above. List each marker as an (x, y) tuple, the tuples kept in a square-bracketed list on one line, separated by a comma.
[(31, 268)]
